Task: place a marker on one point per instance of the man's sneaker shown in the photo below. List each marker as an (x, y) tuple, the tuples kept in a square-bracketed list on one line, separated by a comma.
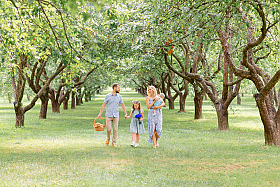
[(107, 142), (114, 145)]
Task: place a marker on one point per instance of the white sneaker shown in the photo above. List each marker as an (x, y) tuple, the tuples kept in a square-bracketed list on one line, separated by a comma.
[(132, 144), (136, 145)]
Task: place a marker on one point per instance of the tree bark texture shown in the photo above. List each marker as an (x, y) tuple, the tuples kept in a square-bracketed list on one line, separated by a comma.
[(198, 101), (65, 103), (19, 116), (182, 103), (238, 99), (44, 105), (222, 115), (73, 101)]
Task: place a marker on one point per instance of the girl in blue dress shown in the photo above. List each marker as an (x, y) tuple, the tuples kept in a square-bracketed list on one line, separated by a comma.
[(136, 124)]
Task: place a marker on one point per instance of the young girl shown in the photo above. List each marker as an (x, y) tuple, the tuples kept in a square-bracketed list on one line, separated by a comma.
[(136, 124)]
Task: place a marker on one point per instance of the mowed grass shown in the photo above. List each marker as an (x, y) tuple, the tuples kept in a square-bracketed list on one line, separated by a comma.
[(64, 149)]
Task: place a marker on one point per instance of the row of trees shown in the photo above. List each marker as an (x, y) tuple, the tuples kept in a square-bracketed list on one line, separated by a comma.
[(48, 51), (211, 48), (201, 43)]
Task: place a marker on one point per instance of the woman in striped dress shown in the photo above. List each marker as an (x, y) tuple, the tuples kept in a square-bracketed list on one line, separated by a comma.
[(154, 121)]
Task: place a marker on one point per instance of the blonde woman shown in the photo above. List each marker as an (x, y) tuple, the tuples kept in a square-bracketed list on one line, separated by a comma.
[(154, 121)]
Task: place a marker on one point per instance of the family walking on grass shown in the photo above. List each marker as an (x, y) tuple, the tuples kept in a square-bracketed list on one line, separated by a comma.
[(153, 102)]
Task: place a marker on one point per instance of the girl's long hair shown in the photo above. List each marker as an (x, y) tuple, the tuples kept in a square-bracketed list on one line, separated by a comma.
[(154, 91), (136, 102)]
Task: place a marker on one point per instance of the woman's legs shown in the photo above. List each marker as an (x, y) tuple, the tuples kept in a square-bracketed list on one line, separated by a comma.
[(157, 136), (154, 138)]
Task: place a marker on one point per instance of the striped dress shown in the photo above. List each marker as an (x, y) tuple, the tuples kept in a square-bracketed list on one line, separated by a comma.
[(154, 122)]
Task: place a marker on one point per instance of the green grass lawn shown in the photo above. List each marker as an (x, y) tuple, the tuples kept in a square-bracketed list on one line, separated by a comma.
[(64, 149)]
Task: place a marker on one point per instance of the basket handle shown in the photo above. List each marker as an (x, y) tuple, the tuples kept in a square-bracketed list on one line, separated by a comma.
[(96, 118)]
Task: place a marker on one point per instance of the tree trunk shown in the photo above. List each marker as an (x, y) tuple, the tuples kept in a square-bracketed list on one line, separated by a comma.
[(78, 100), (275, 96), (182, 102), (78, 97), (272, 136), (44, 104), (73, 101), (19, 117), (271, 124), (279, 96), (55, 107), (55, 104), (171, 103), (222, 114), (89, 95), (65, 104), (238, 99), (28, 97), (198, 101), (44, 107)]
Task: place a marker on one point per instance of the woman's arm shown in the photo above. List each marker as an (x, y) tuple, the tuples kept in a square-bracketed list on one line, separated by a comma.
[(160, 106), (148, 102)]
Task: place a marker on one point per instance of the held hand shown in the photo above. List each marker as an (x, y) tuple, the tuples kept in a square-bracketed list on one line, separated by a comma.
[(125, 117), (99, 116)]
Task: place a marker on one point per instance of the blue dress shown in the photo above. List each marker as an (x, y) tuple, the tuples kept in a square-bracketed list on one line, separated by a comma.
[(136, 126), (154, 122)]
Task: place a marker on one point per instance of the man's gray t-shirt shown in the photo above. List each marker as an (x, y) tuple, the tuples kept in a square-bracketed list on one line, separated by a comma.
[(113, 102)]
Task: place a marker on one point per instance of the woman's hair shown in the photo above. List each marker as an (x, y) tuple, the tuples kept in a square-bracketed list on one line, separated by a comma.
[(154, 89), (136, 102)]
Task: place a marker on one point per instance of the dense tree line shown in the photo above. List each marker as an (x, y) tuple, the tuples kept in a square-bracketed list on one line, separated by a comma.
[(209, 49)]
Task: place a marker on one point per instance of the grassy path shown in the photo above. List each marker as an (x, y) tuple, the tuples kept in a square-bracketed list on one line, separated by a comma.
[(64, 150)]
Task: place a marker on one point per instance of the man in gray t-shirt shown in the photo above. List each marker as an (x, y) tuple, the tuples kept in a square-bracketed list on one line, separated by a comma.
[(112, 100)]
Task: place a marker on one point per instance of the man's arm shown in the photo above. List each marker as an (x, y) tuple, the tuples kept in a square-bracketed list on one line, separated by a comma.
[(101, 110), (124, 109)]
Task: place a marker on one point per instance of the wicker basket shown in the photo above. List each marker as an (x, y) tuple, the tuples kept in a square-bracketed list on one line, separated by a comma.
[(98, 126)]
